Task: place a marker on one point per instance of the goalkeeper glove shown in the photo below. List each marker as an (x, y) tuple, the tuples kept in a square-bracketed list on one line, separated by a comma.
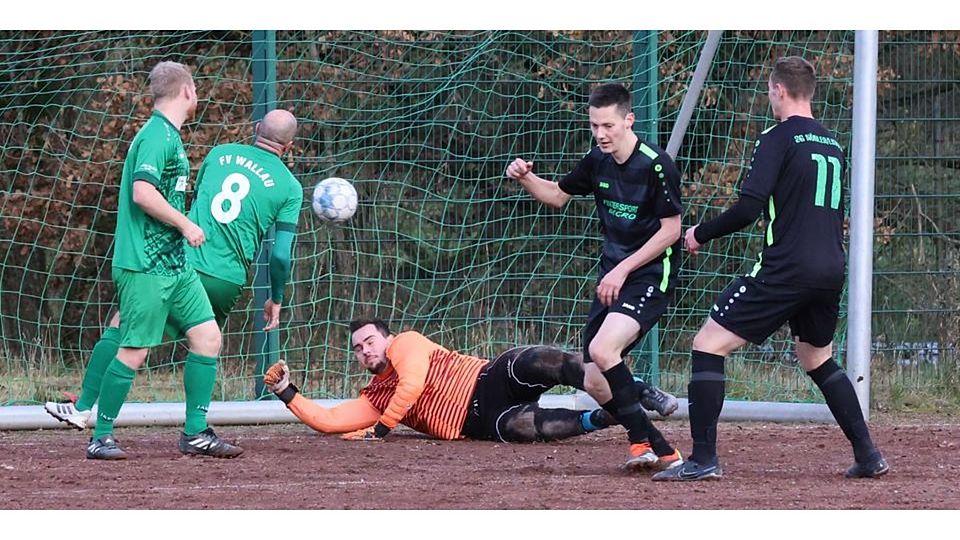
[(277, 378)]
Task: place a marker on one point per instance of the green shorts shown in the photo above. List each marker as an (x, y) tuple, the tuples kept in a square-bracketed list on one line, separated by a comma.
[(223, 295), (147, 301)]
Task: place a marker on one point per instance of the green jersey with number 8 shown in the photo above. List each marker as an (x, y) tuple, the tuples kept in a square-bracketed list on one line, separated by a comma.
[(241, 191)]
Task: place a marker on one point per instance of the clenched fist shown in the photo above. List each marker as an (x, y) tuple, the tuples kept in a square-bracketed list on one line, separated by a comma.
[(519, 168)]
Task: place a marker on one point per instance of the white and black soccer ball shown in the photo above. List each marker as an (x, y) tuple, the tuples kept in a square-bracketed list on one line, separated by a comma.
[(334, 200)]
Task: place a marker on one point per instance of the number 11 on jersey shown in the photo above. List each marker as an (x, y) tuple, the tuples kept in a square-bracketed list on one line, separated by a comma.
[(823, 164)]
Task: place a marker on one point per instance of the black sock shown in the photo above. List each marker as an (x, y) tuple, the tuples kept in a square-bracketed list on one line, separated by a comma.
[(610, 408), (659, 444), (657, 441), (705, 396), (842, 401), (626, 403)]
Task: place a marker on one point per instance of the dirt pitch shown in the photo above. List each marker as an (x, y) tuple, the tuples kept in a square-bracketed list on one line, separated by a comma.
[(766, 465)]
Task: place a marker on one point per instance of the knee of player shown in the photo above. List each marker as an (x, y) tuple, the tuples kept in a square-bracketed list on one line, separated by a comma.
[(545, 357), (715, 339), (518, 428), (205, 339), (701, 341), (603, 355), (595, 386), (132, 358)]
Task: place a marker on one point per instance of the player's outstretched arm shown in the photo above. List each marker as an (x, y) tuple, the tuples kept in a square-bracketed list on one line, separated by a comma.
[(349, 416), (755, 190), (545, 191), (744, 212)]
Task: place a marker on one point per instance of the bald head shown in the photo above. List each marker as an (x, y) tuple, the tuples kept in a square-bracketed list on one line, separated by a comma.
[(278, 126)]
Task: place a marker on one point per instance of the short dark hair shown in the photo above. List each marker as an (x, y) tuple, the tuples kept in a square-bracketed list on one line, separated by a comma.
[(796, 75), (379, 324), (608, 94)]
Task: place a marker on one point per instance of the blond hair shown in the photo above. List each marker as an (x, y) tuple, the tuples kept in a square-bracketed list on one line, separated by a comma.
[(168, 78)]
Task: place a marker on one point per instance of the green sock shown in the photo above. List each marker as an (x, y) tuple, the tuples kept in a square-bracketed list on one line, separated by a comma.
[(113, 392), (103, 352), (199, 376)]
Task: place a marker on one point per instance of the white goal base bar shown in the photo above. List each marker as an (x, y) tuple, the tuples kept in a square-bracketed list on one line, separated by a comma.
[(274, 412)]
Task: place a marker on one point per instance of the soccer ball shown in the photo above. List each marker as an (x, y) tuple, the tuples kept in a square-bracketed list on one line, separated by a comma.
[(334, 200)]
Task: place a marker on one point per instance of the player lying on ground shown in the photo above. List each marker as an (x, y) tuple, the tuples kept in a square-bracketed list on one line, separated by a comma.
[(242, 190), (453, 396)]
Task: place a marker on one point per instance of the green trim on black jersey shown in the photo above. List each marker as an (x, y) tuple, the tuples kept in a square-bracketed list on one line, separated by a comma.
[(773, 216), (757, 266), (666, 269), (647, 151)]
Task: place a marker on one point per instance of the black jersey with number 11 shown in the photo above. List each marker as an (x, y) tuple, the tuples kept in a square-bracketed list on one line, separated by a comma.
[(797, 170)]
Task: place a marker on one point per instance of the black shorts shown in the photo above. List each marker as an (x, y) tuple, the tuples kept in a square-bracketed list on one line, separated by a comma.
[(754, 310), (640, 300), (497, 392)]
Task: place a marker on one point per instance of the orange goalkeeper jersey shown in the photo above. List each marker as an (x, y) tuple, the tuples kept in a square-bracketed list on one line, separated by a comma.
[(425, 387)]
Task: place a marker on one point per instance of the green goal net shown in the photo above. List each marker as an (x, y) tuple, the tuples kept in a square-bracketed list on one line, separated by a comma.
[(423, 124)]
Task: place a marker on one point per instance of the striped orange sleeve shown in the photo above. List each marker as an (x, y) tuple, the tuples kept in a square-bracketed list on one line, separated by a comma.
[(410, 356), (349, 416)]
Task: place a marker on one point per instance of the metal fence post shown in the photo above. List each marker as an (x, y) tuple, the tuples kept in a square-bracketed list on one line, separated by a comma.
[(644, 90), (266, 344)]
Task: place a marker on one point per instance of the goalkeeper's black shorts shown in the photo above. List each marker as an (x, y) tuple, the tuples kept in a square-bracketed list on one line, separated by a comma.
[(497, 392)]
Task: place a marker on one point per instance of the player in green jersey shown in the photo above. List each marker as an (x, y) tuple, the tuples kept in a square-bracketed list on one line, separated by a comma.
[(150, 270), (242, 190), (235, 215)]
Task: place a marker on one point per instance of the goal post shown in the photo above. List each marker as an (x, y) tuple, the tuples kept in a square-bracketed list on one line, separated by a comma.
[(860, 306)]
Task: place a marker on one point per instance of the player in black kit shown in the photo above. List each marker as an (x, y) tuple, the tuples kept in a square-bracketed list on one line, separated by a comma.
[(796, 178), (637, 189)]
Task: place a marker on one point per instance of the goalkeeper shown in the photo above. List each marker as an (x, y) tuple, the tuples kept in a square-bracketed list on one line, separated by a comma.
[(450, 395), (242, 190)]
